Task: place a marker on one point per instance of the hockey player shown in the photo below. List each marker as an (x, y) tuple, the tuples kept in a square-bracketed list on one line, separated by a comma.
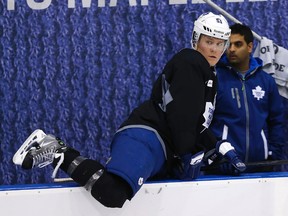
[(166, 134)]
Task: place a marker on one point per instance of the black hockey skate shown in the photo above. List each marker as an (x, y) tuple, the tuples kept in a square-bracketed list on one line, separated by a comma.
[(40, 150)]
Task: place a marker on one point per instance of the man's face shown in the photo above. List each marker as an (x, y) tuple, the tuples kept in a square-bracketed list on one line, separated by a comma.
[(239, 52), (211, 48)]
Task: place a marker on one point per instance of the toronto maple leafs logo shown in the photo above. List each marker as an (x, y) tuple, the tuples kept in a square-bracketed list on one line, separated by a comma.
[(258, 92), (218, 20), (140, 181)]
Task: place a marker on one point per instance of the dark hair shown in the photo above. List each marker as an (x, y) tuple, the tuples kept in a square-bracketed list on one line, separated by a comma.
[(242, 30)]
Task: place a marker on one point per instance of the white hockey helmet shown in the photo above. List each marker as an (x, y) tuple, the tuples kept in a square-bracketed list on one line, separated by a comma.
[(212, 25)]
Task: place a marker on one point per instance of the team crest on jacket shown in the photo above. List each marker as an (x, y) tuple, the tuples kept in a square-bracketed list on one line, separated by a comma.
[(258, 92)]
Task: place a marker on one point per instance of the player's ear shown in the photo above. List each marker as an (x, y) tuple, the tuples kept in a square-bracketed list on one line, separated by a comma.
[(250, 47)]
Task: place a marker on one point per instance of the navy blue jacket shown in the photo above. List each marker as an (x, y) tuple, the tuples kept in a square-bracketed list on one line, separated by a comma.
[(249, 112)]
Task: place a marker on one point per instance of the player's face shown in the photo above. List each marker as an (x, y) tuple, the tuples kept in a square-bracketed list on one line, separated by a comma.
[(211, 48), (239, 52)]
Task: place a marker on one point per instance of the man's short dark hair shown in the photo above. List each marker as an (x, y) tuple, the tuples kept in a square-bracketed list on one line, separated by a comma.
[(242, 30)]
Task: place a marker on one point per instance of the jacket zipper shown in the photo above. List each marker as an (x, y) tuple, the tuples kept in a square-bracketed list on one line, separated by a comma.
[(247, 118)]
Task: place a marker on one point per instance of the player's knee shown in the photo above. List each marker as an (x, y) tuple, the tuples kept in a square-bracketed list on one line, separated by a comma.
[(111, 190)]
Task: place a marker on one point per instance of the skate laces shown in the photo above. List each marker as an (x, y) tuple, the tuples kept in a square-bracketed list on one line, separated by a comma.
[(47, 157), (44, 158), (61, 155)]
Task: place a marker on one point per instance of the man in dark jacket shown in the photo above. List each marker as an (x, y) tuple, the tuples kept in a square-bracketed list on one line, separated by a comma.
[(171, 126)]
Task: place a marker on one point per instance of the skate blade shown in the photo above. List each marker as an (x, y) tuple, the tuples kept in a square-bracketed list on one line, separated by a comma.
[(36, 136)]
